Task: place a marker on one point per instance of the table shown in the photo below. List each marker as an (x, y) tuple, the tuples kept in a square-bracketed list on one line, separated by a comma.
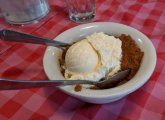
[(24, 61)]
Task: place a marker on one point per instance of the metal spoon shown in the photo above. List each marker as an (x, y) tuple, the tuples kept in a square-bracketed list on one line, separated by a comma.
[(9, 84), (13, 36)]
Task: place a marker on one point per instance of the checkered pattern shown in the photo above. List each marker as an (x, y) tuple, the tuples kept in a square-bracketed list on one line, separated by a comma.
[(24, 61)]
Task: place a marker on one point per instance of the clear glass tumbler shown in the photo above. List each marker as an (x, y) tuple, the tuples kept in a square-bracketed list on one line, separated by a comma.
[(81, 10), (23, 11)]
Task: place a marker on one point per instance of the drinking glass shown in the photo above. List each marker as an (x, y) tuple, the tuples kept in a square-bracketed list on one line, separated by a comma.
[(81, 10), (23, 11)]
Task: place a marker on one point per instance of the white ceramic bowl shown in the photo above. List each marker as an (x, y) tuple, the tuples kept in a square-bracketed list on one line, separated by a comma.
[(52, 55)]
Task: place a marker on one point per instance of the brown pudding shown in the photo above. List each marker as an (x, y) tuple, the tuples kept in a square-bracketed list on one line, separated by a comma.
[(132, 56), (131, 59)]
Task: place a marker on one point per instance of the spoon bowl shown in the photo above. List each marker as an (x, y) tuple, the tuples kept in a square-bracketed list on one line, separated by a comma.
[(52, 66)]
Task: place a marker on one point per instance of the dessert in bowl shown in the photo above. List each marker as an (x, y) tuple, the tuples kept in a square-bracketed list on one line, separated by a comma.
[(52, 55), (92, 58), (100, 56)]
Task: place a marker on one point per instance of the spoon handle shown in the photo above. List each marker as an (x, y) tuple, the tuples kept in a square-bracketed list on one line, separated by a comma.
[(9, 84), (13, 36)]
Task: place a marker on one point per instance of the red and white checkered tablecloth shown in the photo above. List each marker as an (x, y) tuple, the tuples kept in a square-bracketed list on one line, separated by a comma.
[(24, 61)]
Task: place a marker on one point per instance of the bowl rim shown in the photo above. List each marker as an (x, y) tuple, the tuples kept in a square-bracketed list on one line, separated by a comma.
[(120, 90)]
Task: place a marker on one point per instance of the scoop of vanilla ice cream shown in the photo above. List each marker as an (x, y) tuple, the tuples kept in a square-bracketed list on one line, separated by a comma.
[(81, 58), (94, 57)]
